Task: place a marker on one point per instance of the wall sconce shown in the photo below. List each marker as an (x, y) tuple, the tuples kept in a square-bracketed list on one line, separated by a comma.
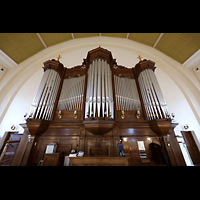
[(59, 114), (125, 139), (75, 114), (167, 140), (122, 115), (172, 116), (29, 138), (13, 127), (138, 113), (186, 126)]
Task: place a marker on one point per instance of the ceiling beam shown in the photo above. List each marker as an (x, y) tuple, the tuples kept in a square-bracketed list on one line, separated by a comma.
[(160, 36), (72, 35), (39, 36)]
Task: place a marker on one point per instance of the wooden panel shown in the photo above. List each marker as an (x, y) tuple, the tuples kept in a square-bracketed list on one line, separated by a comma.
[(53, 159), (132, 152), (64, 144), (99, 161), (192, 147), (98, 146), (9, 153)]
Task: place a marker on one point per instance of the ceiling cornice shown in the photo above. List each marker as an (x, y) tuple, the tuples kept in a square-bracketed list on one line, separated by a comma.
[(6, 61), (193, 61)]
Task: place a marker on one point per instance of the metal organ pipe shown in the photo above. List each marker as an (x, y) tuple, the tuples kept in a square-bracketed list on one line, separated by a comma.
[(155, 105), (43, 103), (99, 90), (126, 94), (38, 94), (71, 96)]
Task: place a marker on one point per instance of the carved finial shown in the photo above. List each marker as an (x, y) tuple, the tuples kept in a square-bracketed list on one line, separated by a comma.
[(139, 57), (58, 58), (100, 46)]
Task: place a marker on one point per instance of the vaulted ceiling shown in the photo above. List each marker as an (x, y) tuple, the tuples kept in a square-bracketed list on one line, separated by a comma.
[(20, 46)]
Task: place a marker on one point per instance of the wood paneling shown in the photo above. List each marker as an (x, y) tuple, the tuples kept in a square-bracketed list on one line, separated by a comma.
[(99, 161)]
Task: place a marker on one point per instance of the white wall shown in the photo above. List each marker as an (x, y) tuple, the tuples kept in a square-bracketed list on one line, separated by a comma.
[(21, 104), (179, 85)]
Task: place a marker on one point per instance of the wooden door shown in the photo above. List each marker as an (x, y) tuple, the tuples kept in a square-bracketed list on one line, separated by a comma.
[(8, 153), (192, 147)]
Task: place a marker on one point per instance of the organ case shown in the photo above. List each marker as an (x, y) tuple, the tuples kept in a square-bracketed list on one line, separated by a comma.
[(92, 106)]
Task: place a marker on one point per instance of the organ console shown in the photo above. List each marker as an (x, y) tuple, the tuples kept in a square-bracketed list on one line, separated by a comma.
[(81, 107)]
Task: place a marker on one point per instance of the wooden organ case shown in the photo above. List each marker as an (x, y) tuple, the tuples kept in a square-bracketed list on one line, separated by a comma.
[(94, 106)]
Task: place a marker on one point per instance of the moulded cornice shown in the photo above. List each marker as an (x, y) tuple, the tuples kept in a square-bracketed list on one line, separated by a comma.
[(192, 61), (6, 61)]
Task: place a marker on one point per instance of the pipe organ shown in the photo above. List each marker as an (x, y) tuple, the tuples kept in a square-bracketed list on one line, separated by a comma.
[(99, 95), (93, 106)]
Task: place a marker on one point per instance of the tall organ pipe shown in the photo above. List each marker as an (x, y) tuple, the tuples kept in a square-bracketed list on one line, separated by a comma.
[(155, 105), (42, 106), (71, 97), (126, 94), (99, 90)]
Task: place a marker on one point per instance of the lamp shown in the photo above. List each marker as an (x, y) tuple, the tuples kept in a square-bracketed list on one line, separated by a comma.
[(186, 126), (59, 114), (75, 114), (122, 115), (29, 138), (138, 113)]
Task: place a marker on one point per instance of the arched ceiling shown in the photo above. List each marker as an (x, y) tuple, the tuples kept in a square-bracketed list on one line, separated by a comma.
[(20, 46)]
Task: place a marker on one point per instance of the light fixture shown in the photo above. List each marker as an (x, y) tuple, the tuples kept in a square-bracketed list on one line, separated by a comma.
[(59, 114), (149, 139), (186, 126), (172, 116), (138, 113), (29, 138), (122, 115), (75, 114), (13, 127), (125, 139)]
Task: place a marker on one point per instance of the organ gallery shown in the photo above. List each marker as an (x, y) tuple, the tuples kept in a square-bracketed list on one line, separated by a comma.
[(114, 114)]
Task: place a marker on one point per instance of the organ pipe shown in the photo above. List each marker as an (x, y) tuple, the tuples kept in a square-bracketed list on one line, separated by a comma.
[(154, 103), (71, 97), (99, 95), (43, 103), (126, 94)]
